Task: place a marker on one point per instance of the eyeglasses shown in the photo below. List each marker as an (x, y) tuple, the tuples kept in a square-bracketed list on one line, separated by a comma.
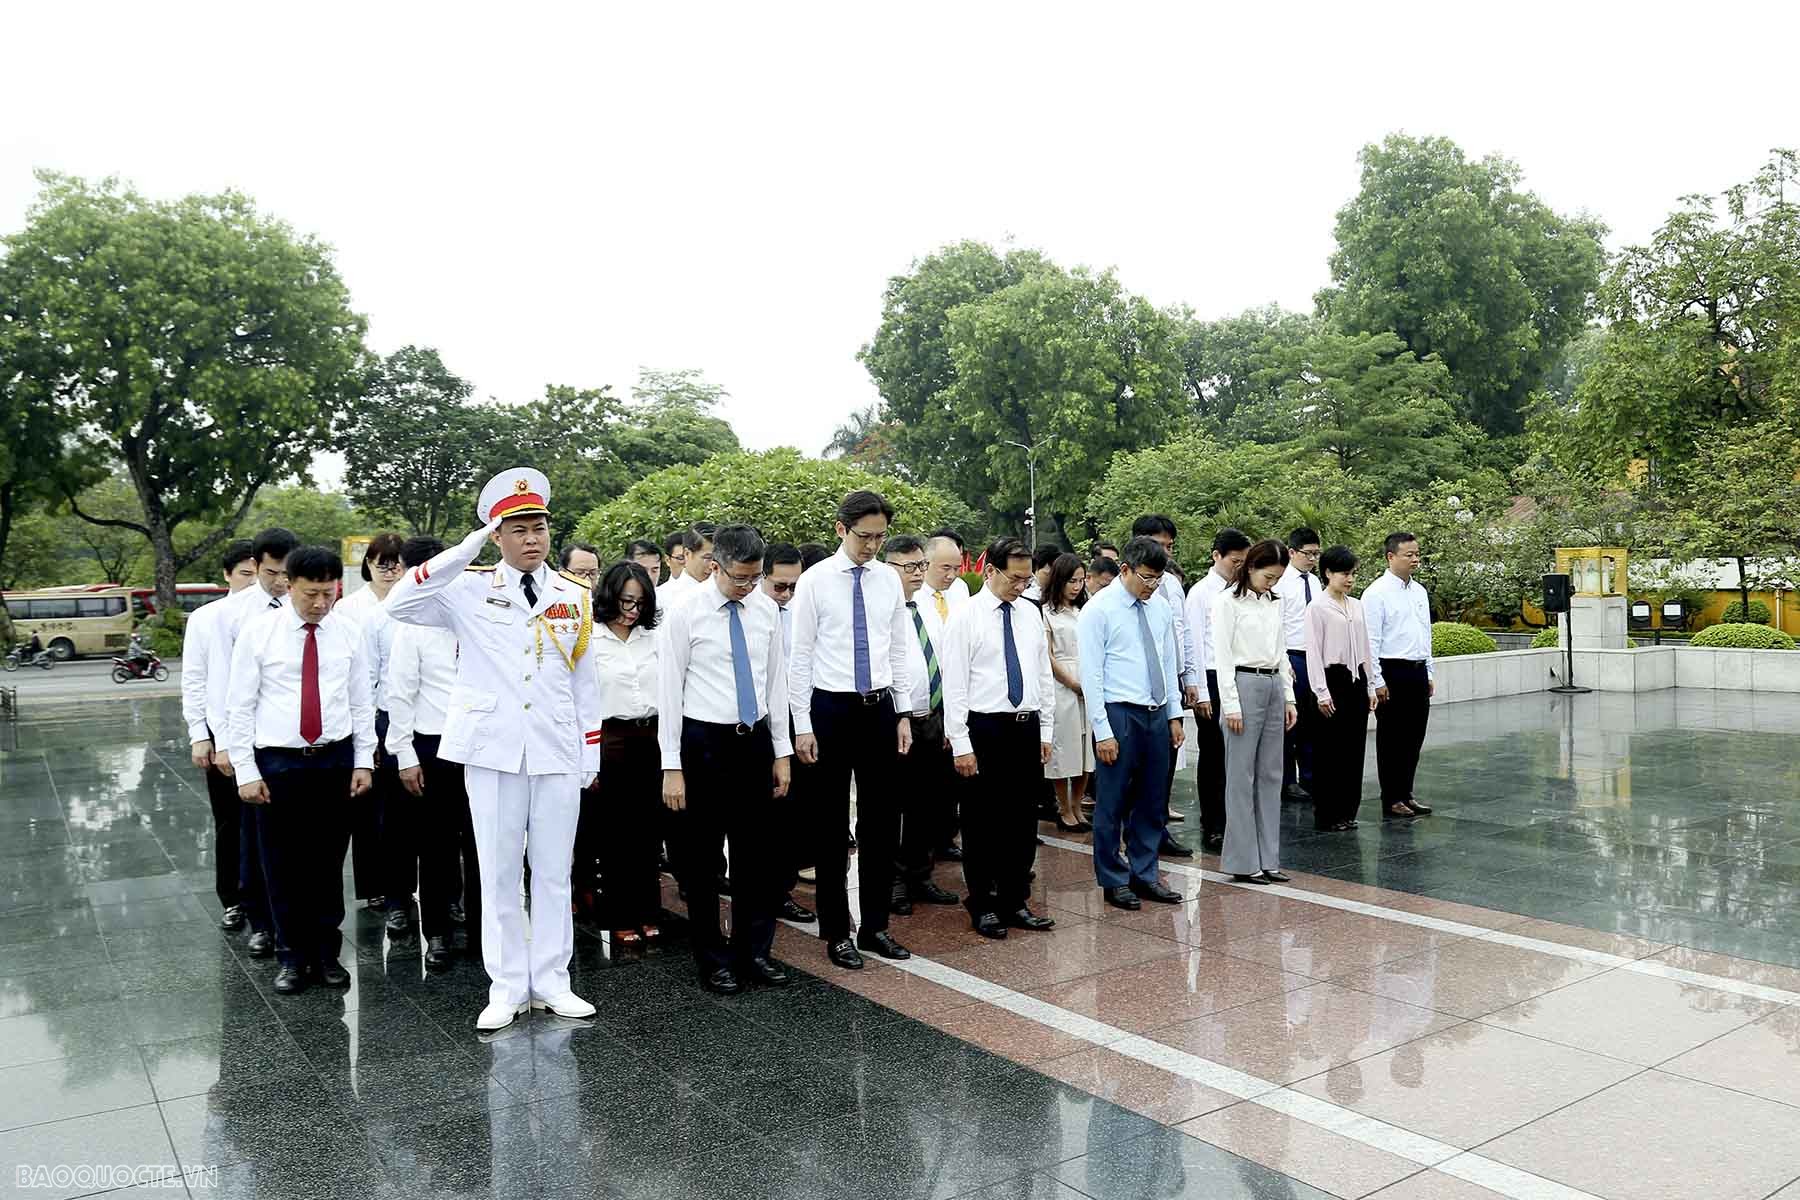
[(909, 568), (390, 568), (590, 576), (630, 604), (1021, 580), (868, 539), (742, 581), (1150, 581), (782, 589)]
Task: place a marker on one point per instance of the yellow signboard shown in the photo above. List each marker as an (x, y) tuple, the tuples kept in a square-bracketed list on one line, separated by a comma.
[(1594, 570)]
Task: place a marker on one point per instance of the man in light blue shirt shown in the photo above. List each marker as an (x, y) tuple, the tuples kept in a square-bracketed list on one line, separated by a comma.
[(1130, 675), (1398, 613)]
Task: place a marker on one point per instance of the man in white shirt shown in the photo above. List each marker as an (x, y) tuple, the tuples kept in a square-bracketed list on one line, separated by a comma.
[(1297, 587), (848, 675), (943, 592), (201, 691), (696, 568), (383, 846), (927, 777), (421, 672), (524, 721), (722, 697), (1228, 550), (1399, 616), (302, 739), (268, 551), (781, 575), (1000, 717)]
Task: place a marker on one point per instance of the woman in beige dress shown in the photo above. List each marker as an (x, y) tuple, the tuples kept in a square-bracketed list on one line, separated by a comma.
[(1072, 752)]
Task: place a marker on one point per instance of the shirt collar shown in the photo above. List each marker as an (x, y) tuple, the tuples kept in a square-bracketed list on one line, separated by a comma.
[(513, 575), (1404, 583)]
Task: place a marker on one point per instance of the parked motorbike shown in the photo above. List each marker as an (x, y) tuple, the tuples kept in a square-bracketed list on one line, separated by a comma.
[(126, 669), (16, 658)]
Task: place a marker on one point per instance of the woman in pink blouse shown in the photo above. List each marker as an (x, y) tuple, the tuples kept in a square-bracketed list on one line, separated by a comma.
[(1337, 664)]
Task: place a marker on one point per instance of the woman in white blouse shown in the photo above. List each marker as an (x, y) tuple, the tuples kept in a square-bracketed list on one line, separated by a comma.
[(1256, 707), (1337, 664), (621, 840), (1072, 750)]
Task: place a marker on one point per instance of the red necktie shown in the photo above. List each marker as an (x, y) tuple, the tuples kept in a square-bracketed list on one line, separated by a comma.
[(311, 724)]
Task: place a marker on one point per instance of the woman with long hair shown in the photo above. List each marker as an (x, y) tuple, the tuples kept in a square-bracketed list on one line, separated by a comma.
[(1337, 666), (1256, 702), (1072, 750)]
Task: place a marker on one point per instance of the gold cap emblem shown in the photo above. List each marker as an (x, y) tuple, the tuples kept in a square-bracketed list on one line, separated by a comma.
[(520, 487)]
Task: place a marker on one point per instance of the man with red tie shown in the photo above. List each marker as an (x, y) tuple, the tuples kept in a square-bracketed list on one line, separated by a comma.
[(301, 734)]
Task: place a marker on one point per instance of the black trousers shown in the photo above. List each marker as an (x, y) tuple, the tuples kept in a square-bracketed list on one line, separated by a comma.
[(1209, 764), (1000, 811), (728, 779), (1339, 744), (434, 838), (222, 795), (927, 785), (372, 868), (302, 834), (1400, 727), (619, 830), (253, 886), (856, 737), (1298, 745)]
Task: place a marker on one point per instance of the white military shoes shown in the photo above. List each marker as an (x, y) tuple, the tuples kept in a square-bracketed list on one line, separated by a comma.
[(568, 1004)]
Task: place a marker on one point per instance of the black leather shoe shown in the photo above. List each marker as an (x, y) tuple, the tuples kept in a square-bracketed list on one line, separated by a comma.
[(988, 926), (1026, 919), (1275, 877), (457, 915), (289, 980), (399, 923), (1256, 879), (233, 920), (1155, 891), (437, 953), (844, 955), (1424, 810), (1171, 848), (1293, 793), (766, 972), (375, 902), (930, 893), (332, 974), (724, 885), (900, 904), (1122, 897), (723, 982), (882, 943), (1213, 843), (260, 944), (798, 913), (951, 853)]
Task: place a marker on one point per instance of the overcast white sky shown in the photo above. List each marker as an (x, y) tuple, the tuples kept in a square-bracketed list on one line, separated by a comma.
[(553, 194)]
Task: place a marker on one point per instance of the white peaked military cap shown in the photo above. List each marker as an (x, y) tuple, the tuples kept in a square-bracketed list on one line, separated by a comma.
[(516, 492)]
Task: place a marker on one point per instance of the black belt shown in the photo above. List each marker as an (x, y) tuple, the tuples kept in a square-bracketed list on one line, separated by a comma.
[(1411, 662), (1259, 670), (620, 723), (1020, 717), (868, 699), (734, 727)]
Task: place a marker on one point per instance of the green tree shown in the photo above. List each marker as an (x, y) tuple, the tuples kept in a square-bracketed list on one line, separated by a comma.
[(1454, 257), (868, 440), (118, 552), (40, 553), (1223, 362), (203, 348), (786, 496), (1463, 532), (1742, 500)]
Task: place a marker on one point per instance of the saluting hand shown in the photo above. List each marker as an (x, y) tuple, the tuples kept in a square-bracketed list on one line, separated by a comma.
[(361, 780)]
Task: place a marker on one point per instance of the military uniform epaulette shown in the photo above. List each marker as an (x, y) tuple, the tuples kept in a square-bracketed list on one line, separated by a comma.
[(475, 568), (577, 580)]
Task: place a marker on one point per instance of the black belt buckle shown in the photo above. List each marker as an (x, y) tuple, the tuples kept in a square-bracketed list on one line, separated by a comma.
[(871, 699), (310, 751)]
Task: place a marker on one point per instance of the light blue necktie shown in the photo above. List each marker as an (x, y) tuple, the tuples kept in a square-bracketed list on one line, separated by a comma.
[(740, 665), (1015, 676), (859, 631), (1152, 660)]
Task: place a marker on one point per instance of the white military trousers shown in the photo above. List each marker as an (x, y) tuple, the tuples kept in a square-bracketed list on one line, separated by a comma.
[(514, 815)]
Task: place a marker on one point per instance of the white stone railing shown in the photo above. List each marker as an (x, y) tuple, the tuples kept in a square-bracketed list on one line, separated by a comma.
[(1644, 669)]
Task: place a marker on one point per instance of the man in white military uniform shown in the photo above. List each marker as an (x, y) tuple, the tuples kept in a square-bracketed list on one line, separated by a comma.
[(524, 720)]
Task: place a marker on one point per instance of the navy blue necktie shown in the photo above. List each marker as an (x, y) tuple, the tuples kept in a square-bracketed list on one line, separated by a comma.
[(740, 665), (859, 633), (1015, 676), (1306, 582)]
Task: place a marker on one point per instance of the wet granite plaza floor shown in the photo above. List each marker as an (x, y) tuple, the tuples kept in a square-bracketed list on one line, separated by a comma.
[(1580, 978)]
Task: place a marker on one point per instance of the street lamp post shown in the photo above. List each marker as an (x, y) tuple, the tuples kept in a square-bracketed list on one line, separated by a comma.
[(1031, 473)]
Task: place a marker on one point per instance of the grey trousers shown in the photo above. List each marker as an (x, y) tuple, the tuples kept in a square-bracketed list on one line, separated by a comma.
[(1253, 761)]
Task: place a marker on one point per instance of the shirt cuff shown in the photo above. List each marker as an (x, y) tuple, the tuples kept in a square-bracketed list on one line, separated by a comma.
[(961, 745), (244, 770), (365, 760), (784, 747), (405, 757), (802, 723), (199, 731), (672, 762)]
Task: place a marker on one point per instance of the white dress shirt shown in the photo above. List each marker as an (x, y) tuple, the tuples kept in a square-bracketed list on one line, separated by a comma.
[(263, 704), (1198, 613), (1188, 669), (421, 671), (955, 596), (198, 681), (627, 671), (824, 646), (973, 662), (696, 677), (918, 701), (1292, 588), (378, 636), (670, 593), (1399, 616), (1246, 632), (234, 611)]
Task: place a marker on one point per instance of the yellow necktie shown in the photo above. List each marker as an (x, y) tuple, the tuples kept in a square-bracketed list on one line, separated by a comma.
[(943, 606)]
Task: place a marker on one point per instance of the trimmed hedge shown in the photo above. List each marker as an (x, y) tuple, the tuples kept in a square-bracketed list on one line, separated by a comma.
[(1734, 614), (1451, 638), (1742, 637), (1545, 639)]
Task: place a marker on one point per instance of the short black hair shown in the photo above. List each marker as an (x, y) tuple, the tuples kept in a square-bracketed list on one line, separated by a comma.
[(641, 546), (1303, 536), (569, 550), (1337, 558), (1103, 565), (1397, 539), (612, 586), (1228, 540), (1099, 545), (945, 531), (694, 540), (811, 554), (1002, 551), (383, 547), (316, 564), (1145, 552), (1152, 524), (275, 542), (417, 550), (678, 538), (1043, 556), (236, 551), (860, 504), (738, 544), (906, 543), (780, 554), (706, 529)]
